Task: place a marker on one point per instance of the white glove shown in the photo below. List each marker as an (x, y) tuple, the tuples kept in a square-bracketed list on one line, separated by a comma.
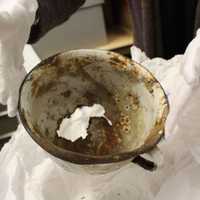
[(16, 19)]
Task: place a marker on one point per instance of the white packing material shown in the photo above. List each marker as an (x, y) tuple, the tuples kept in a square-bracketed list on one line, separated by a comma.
[(184, 123), (16, 19), (79, 121)]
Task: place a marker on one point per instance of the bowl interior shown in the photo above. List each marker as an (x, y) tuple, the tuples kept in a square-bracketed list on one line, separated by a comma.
[(132, 98)]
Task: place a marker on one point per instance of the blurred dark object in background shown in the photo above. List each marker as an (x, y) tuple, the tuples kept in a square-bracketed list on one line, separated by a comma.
[(164, 28), (117, 13), (7, 125), (118, 20), (2, 108), (4, 141)]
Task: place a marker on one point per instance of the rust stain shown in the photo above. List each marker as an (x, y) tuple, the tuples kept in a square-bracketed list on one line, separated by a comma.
[(134, 100), (118, 61), (38, 90), (134, 71), (92, 98), (60, 71), (66, 94), (111, 142), (34, 86), (149, 83)]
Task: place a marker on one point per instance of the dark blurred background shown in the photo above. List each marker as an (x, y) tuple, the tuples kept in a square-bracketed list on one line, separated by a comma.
[(164, 28)]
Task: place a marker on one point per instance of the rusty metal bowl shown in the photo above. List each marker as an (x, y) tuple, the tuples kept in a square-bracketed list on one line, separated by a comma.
[(133, 99)]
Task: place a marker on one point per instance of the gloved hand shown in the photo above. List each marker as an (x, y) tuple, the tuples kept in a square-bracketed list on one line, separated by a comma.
[(16, 19)]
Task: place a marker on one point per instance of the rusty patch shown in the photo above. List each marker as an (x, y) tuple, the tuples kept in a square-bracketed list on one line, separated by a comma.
[(34, 86), (66, 94), (90, 97), (149, 83), (134, 71), (135, 103), (119, 62), (109, 139), (81, 63), (38, 90), (60, 71)]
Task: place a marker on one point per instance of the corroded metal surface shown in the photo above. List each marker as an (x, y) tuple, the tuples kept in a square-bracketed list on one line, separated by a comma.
[(133, 99)]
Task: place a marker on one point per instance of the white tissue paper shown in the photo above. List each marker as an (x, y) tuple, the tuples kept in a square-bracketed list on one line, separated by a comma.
[(184, 122), (79, 121), (27, 172), (16, 19)]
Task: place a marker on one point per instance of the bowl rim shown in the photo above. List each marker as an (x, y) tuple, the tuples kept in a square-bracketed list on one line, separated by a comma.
[(79, 158)]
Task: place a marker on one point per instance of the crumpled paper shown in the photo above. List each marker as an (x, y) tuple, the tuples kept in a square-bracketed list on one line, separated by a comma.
[(16, 19), (184, 185), (186, 126)]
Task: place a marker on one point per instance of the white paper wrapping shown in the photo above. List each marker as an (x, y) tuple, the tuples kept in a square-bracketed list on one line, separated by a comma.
[(16, 19)]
